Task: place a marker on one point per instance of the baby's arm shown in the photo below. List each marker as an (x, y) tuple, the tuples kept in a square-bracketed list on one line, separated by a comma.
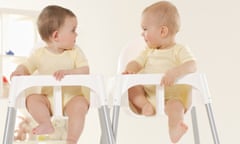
[(20, 70), (61, 73), (173, 74), (132, 68)]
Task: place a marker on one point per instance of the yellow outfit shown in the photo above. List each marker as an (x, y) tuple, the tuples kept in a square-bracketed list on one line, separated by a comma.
[(46, 63), (161, 60)]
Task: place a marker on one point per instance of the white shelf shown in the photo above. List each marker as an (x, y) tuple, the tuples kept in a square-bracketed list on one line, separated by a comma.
[(13, 59)]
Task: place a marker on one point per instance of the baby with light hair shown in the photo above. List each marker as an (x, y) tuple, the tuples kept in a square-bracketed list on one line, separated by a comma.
[(160, 24)]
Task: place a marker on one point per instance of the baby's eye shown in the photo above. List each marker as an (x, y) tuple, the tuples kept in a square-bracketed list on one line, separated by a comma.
[(144, 28), (74, 29)]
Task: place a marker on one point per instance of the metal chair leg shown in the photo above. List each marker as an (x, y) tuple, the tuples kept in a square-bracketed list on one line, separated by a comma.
[(115, 118), (212, 123), (8, 137), (195, 125), (104, 138), (107, 132)]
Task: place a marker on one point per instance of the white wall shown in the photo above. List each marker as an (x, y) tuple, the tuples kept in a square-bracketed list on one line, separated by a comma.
[(210, 28)]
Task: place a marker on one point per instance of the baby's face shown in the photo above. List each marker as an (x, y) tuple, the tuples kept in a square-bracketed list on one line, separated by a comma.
[(67, 33), (151, 31)]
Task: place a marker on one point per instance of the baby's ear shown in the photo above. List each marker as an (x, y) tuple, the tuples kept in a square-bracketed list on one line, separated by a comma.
[(164, 31), (54, 35)]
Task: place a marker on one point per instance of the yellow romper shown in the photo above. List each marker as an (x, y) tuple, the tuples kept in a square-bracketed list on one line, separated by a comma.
[(46, 63), (161, 60)]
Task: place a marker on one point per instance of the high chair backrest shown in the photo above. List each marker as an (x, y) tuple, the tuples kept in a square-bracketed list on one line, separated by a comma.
[(129, 52)]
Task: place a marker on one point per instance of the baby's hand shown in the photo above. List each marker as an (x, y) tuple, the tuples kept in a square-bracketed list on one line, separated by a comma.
[(128, 72), (60, 74), (20, 70), (169, 78), (17, 73)]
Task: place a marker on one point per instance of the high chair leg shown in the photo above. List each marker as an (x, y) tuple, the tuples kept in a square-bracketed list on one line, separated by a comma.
[(115, 118), (9, 126), (104, 138), (107, 132), (114, 125), (195, 125), (212, 123)]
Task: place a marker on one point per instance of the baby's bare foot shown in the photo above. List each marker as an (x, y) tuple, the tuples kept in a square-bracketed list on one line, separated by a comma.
[(148, 109), (44, 128), (177, 132)]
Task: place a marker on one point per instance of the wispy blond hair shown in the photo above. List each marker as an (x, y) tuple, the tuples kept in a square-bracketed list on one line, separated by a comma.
[(166, 14), (51, 19)]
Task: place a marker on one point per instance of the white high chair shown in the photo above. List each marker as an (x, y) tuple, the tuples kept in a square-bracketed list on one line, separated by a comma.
[(124, 82), (93, 82)]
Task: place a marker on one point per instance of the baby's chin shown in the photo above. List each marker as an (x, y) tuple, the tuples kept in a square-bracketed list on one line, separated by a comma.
[(70, 48), (153, 47)]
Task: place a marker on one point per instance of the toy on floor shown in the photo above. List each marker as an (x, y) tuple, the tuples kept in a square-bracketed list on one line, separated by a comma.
[(26, 124), (24, 130)]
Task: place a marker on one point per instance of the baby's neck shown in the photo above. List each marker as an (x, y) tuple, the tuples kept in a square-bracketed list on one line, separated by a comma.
[(54, 49), (166, 46)]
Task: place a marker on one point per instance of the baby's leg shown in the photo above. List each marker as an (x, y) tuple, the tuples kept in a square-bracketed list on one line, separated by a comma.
[(39, 107), (177, 127), (138, 99), (76, 110)]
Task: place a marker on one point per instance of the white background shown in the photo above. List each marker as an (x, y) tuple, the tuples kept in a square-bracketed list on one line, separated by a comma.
[(210, 28)]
